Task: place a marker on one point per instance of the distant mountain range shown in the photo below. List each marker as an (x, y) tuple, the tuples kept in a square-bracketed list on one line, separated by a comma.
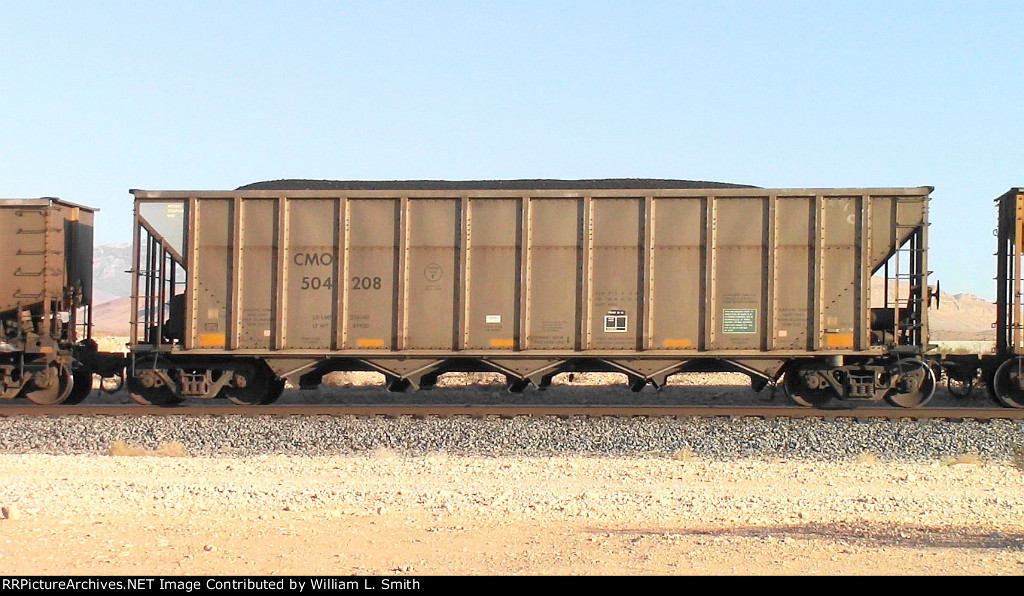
[(961, 316), (111, 264)]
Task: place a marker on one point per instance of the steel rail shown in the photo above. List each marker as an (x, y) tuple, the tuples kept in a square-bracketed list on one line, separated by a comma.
[(511, 411)]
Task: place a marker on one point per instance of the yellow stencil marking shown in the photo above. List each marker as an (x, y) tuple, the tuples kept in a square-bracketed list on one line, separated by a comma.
[(211, 340), (839, 340)]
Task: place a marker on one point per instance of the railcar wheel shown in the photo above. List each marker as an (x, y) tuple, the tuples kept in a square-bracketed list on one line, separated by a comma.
[(262, 389), (82, 386), (915, 387), (157, 395), (49, 386), (1006, 384), (798, 391)]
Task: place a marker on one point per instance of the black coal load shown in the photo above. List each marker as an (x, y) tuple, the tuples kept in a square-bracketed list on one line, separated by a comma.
[(610, 183)]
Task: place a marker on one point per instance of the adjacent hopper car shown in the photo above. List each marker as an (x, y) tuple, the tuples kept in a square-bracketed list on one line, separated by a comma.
[(46, 351), (237, 292), (1003, 373)]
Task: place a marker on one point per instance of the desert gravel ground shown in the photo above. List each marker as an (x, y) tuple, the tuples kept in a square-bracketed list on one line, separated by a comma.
[(168, 508), (390, 514)]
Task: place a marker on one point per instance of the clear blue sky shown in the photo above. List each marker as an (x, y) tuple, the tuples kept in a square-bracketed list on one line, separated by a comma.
[(99, 97)]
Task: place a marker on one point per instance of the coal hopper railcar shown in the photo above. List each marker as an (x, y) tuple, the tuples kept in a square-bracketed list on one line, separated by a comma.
[(238, 291), (46, 350)]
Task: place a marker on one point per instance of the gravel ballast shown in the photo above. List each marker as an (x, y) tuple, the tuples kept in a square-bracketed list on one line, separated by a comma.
[(717, 438), (723, 438)]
